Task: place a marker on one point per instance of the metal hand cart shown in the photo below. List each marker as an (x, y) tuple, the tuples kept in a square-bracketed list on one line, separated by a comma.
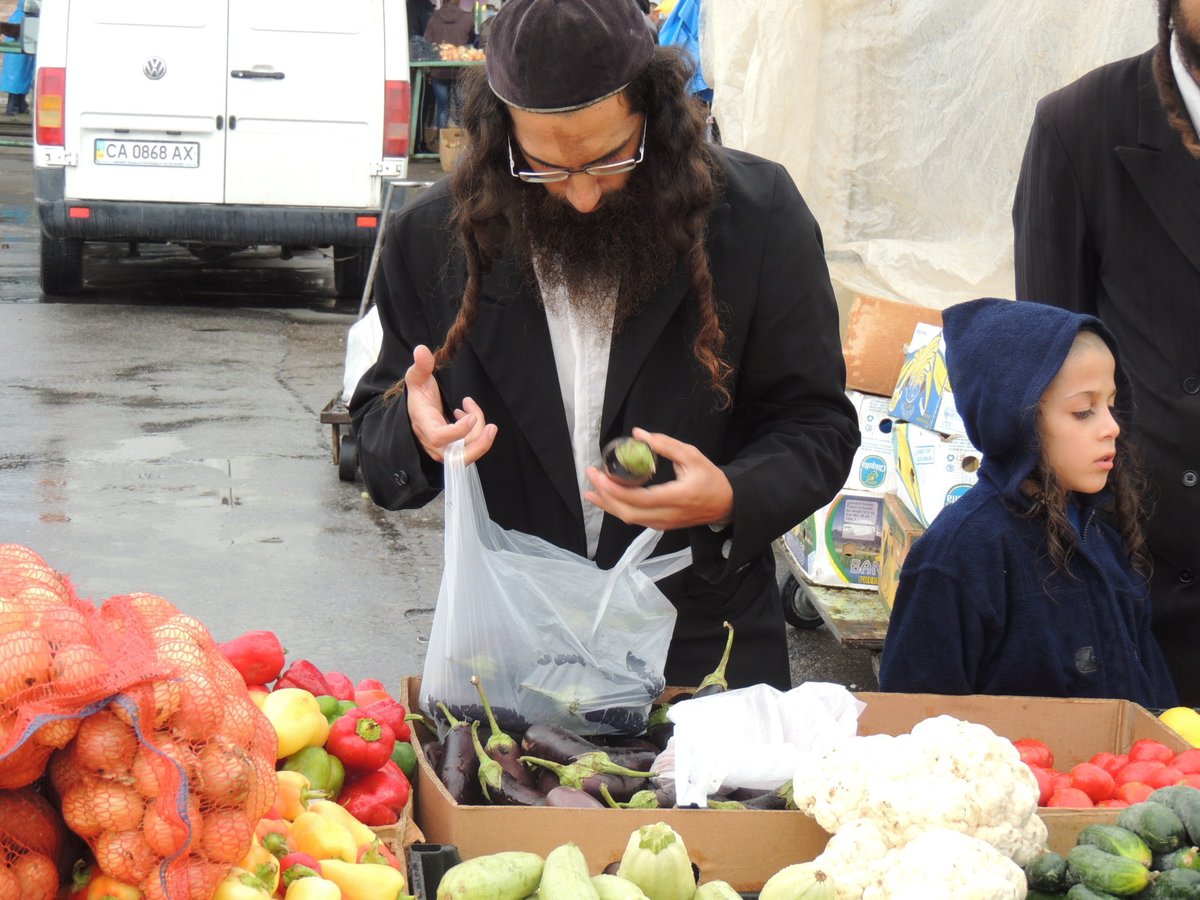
[(336, 414)]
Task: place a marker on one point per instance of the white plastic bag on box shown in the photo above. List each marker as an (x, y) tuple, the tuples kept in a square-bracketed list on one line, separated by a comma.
[(362, 349), (553, 637), (756, 737)]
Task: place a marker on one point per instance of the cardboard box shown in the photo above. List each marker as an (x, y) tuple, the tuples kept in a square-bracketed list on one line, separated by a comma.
[(923, 394), (839, 544), (876, 333), (746, 847), (873, 468), (900, 529), (451, 142), (932, 470)]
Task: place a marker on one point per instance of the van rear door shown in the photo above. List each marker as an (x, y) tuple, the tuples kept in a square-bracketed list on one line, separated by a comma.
[(305, 88), (145, 94)]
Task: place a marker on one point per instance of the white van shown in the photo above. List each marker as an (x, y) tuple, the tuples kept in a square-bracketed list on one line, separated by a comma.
[(217, 124)]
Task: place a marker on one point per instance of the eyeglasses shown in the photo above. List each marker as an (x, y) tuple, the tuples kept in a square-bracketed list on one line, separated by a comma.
[(550, 176)]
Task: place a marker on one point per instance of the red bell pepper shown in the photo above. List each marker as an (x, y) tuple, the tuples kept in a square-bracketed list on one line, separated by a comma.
[(392, 714), (298, 865), (257, 655), (377, 852), (368, 690), (340, 685), (306, 676), (377, 798), (361, 742)]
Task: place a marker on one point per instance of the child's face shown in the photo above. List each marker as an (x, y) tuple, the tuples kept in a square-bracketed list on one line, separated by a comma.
[(1078, 431)]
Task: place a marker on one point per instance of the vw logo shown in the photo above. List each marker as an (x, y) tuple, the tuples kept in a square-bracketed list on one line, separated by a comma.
[(154, 68)]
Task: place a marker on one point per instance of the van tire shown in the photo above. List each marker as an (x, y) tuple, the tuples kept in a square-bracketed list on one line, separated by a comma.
[(62, 266), (350, 265)]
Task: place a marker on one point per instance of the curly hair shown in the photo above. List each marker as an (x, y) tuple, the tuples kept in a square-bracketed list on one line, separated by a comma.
[(681, 171), (1164, 78)]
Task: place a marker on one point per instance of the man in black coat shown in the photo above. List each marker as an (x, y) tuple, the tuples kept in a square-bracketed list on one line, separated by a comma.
[(1107, 221), (594, 267)]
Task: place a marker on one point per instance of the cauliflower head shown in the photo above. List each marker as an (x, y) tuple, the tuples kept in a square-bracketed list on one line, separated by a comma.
[(947, 865)]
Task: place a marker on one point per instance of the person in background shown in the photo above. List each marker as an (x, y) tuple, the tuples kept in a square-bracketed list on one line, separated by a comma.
[(452, 23), (419, 14), (593, 269), (16, 71), (1107, 222), (1035, 581)]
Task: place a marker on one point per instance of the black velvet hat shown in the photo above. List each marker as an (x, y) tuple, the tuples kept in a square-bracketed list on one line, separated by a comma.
[(559, 55)]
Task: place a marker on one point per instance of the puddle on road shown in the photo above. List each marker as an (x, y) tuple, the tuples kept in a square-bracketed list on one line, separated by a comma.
[(146, 448)]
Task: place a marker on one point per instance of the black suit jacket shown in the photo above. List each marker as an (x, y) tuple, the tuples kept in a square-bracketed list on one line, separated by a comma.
[(1107, 221), (786, 445)]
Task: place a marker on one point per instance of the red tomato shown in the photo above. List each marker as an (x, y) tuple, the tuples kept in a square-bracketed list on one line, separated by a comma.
[(1035, 753), (1164, 776), (1072, 797), (1101, 758), (1188, 761), (1137, 770), (1192, 779), (1115, 764), (1058, 780), (1114, 803), (1132, 792), (1045, 783), (1093, 781), (1147, 748)]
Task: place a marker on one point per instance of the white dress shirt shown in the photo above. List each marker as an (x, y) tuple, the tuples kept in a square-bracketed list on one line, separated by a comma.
[(1188, 89)]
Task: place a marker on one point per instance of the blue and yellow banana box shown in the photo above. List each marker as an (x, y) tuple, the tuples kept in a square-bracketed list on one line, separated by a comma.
[(873, 468), (932, 470), (839, 544), (923, 394), (900, 530)]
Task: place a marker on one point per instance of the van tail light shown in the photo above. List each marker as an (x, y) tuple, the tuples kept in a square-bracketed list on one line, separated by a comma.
[(397, 106), (51, 103)]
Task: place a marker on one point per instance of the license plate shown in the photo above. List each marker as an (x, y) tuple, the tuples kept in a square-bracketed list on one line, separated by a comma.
[(172, 154)]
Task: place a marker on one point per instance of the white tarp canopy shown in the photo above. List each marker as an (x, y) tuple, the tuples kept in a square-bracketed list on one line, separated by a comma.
[(903, 121)]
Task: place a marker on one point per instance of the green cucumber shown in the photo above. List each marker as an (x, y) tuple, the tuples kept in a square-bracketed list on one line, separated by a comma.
[(1103, 871), (1083, 892), (1175, 884), (1156, 824), (1048, 873), (1183, 858), (1117, 840), (1185, 801)]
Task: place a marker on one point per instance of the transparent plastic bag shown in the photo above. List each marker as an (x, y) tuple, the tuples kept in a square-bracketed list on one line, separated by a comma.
[(552, 637)]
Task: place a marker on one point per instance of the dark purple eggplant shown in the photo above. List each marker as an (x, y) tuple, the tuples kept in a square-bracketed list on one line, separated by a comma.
[(715, 682), (622, 783), (659, 727), (780, 798), (554, 742), (435, 753), (612, 868), (572, 798), (546, 781), (460, 766), (639, 760), (643, 799), (501, 746), (620, 719), (497, 785)]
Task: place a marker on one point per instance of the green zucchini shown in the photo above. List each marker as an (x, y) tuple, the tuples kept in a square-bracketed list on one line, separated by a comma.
[(565, 875), (1156, 824), (1103, 871), (1048, 873), (1175, 884), (1183, 858), (1083, 892), (1117, 840), (1185, 801)]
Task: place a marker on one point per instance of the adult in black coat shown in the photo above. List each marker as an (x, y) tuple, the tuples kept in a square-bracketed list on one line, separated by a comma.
[(694, 275), (1107, 221)]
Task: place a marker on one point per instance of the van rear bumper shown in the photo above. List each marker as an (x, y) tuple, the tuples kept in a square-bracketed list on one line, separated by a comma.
[(206, 223)]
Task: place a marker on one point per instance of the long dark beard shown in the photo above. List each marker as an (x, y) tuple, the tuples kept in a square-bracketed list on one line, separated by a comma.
[(1188, 33), (620, 244)]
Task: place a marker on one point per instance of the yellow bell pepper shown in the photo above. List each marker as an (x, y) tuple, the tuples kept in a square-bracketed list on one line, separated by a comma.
[(313, 889), (297, 719), (365, 881), (322, 838), (361, 833), (292, 795), (241, 885), (263, 864)]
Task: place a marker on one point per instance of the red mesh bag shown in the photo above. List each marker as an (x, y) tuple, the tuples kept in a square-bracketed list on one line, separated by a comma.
[(167, 780), (32, 845)]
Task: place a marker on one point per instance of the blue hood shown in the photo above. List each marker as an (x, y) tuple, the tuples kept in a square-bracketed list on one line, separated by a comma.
[(1001, 355)]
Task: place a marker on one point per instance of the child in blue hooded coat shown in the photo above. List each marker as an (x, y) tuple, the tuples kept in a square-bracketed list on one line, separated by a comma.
[(1035, 581)]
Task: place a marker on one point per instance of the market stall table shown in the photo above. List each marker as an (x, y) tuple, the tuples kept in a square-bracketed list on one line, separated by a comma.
[(421, 69)]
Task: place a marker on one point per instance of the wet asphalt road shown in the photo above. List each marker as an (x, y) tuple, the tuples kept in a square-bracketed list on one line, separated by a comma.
[(161, 433)]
